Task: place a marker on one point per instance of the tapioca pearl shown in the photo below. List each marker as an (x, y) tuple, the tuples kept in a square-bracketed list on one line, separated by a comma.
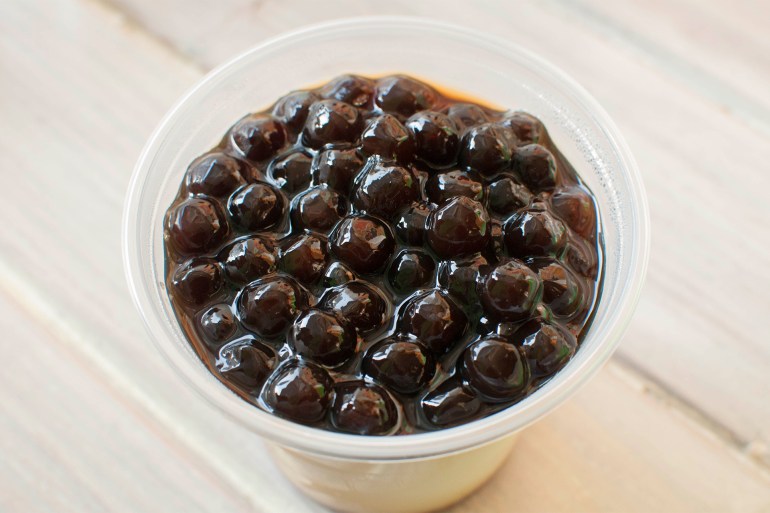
[(197, 281), (536, 167), (384, 190), (352, 89), (459, 227), (337, 168), (509, 291), (363, 409), (323, 338), (435, 320), (293, 108), (254, 364), (217, 324), (486, 149), (451, 403), (299, 391), (330, 122), (562, 291), (386, 137), (410, 270), (257, 137), (363, 243), (532, 232), (547, 347), (292, 171), (506, 196), (403, 96), (436, 138), (400, 365), (337, 274), (444, 186), (582, 258), (410, 226), (362, 305), (248, 259), (495, 369), (460, 278), (527, 128), (256, 207), (467, 115), (576, 207), (196, 226), (319, 209), (269, 306), (215, 174), (305, 258)]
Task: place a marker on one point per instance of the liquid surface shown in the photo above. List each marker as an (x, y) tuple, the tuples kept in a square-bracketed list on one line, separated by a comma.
[(376, 258)]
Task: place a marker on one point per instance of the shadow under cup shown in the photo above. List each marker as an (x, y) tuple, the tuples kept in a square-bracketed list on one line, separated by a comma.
[(426, 471)]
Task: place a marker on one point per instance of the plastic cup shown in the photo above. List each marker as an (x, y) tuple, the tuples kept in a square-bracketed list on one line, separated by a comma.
[(419, 472)]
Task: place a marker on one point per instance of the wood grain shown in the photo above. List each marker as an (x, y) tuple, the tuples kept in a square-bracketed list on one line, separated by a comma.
[(704, 166), (81, 86)]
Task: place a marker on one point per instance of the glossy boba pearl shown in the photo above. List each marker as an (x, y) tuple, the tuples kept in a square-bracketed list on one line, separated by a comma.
[(305, 258), (268, 306), (561, 289), (384, 190), (248, 259), (363, 409), (534, 233), (581, 258), (403, 96), (411, 225), (256, 207), (195, 282), (506, 196), (291, 172), (337, 274), (254, 365), (495, 369), (363, 243), (435, 320), (292, 109), (300, 391), (217, 324), (547, 347), (436, 138), (459, 227), (486, 149), (536, 167), (459, 277), (196, 225), (510, 291), (359, 304), (320, 336), (319, 209), (444, 186), (467, 115), (450, 403), (402, 366), (257, 137), (527, 128), (337, 168), (577, 209), (386, 136), (329, 122), (352, 89), (214, 174), (410, 270)]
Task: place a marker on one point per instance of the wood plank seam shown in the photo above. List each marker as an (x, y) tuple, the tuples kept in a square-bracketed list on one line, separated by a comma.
[(694, 77)]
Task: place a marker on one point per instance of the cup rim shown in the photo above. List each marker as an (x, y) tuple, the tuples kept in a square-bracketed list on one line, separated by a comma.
[(478, 432)]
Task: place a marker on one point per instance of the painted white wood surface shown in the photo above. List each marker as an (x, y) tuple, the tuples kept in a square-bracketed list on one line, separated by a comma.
[(91, 419)]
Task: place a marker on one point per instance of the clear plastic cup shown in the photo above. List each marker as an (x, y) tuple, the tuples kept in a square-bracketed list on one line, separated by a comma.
[(419, 472)]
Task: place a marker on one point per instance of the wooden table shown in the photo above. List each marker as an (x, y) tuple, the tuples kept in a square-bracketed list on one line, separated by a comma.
[(93, 420)]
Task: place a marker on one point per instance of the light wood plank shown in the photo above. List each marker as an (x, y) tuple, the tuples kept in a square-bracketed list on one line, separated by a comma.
[(705, 170), (70, 443)]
